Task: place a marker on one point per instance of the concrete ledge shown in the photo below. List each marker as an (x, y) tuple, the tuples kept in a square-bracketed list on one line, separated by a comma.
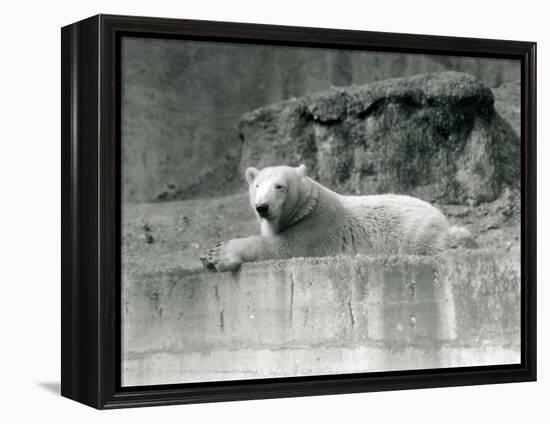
[(321, 316)]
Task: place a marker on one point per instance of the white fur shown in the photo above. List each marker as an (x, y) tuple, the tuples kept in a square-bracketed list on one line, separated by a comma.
[(308, 219)]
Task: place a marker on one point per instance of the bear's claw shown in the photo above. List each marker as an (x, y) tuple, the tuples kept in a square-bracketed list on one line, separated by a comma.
[(212, 259), (220, 258), (207, 263)]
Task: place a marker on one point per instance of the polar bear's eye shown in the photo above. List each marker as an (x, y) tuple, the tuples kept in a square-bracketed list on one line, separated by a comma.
[(278, 187), (257, 185)]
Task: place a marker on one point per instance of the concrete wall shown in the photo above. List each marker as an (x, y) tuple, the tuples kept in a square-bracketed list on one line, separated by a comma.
[(181, 102), (321, 316)]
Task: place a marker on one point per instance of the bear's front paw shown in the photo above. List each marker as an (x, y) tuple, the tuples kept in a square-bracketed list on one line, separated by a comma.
[(225, 257)]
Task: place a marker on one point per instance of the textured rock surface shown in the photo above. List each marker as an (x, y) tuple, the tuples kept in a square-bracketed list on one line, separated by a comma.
[(436, 136), (322, 316), (508, 103)]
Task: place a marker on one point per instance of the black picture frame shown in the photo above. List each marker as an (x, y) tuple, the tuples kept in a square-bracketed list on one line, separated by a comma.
[(90, 179)]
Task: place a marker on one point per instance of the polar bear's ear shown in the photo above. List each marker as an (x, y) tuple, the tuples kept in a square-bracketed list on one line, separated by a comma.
[(250, 174), (301, 170)]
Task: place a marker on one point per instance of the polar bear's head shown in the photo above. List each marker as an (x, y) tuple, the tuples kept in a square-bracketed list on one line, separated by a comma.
[(275, 195)]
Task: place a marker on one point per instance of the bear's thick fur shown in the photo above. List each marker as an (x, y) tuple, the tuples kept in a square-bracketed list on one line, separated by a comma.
[(299, 217)]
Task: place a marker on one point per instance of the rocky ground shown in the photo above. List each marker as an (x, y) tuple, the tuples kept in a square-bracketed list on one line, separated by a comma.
[(176, 233)]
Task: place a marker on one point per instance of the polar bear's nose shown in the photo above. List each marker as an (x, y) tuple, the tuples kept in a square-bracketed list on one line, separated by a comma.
[(262, 209)]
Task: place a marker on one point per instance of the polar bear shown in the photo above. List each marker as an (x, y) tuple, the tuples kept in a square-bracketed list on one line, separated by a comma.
[(299, 217)]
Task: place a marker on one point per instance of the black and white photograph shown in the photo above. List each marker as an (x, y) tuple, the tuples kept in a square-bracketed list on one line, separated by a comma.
[(292, 211), (275, 212)]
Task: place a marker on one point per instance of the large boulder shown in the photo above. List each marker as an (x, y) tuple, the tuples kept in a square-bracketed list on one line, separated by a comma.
[(436, 136)]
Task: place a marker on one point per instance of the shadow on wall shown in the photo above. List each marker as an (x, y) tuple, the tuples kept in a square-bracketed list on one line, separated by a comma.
[(182, 100), (53, 387)]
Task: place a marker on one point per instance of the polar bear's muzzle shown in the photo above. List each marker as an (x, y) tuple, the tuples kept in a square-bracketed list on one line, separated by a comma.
[(263, 210)]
